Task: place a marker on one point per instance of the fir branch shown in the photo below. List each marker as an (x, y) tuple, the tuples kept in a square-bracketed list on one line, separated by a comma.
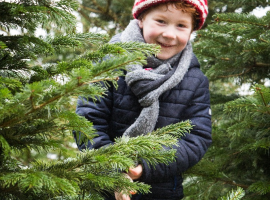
[(260, 187), (223, 181), (147, 49), (105, 10), (234, 195), (241, 18), (233, 183), (36, 182), (215, 175), (259, 90), (2, 45), (237, 75), (77, 40), (121, 155), (178, 130), (33, 14), (257, 64), (90, 9), (101, 68), (17, 45), (41, 106)]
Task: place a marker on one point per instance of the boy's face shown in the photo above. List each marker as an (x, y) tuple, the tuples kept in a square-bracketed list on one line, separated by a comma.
[(170, 28)]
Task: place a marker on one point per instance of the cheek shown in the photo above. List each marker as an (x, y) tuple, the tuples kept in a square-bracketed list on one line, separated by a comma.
[(149, 35), (183, 39)]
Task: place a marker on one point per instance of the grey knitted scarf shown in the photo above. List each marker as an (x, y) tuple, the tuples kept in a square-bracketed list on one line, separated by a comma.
[(148, 85)]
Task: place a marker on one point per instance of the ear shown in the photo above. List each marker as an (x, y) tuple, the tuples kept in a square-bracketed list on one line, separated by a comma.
[(140, 23), (190, 35)]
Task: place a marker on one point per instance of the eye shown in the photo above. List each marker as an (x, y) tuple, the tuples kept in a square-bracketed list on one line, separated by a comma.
[(181, 25), (160, 21)]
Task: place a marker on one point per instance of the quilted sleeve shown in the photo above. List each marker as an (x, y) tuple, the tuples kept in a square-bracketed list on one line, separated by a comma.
[(98, 112)]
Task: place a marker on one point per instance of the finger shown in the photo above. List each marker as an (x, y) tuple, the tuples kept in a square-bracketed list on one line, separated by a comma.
[(132, 192), (120, 196), (128, 177), (126, 197), (135, 173), (136, 170)]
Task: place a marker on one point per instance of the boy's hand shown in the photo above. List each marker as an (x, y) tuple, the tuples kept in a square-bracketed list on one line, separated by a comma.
[(133, 174), (120, 195)]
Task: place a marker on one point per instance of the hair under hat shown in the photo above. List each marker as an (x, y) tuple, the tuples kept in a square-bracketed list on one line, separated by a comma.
[(200, 5)]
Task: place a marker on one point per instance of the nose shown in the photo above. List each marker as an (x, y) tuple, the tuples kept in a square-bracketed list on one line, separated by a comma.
[(169, 32)]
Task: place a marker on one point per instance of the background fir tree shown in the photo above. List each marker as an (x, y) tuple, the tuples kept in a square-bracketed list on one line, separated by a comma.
[(37, 108), (112, 16), (234, 51)]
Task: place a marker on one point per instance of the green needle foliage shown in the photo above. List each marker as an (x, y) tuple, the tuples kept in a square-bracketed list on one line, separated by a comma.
[(234, 195), (37, 109)]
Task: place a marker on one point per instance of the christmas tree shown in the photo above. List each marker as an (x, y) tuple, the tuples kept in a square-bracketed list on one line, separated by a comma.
[(37, 103)]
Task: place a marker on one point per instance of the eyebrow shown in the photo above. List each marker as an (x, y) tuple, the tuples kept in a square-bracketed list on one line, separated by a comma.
[(178, 21), (183, 21)]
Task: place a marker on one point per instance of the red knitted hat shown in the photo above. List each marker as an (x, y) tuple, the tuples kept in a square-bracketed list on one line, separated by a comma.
[(200, 5)]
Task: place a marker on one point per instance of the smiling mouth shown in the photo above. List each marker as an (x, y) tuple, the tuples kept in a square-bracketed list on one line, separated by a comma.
[(165, 45)]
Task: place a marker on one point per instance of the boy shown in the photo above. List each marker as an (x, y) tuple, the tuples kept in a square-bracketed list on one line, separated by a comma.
[(169, 89)]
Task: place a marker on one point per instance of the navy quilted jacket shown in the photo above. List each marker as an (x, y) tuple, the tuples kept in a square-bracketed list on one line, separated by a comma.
[(189, 100)]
